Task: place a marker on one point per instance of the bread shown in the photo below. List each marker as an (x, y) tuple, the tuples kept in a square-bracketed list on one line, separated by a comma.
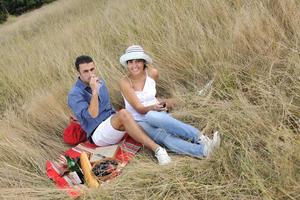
[(87, 171)]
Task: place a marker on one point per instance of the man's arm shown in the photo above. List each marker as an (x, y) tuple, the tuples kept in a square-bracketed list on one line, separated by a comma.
[(82, 109), (94, 103), (79, 106)]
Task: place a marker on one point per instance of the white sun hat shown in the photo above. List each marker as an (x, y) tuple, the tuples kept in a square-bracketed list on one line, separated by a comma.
[(134, 52)]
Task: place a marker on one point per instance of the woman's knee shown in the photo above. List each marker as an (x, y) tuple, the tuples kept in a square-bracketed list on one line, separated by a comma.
[(160, 135), (153, 115)]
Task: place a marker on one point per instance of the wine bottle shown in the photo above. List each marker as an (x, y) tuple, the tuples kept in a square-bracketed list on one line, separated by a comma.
[(74, 167)]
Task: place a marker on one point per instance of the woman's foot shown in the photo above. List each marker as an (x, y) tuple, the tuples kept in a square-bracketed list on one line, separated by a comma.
[(216, 139), (210, 144), (202, 139)]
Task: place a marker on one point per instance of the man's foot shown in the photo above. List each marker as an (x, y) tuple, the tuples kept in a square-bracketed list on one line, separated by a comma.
[(162, 156)]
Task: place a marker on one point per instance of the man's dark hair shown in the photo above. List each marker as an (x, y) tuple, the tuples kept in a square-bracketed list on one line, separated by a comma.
[(81, 60)]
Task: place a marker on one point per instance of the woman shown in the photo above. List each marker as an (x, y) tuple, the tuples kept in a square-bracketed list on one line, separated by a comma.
[(139, 91)]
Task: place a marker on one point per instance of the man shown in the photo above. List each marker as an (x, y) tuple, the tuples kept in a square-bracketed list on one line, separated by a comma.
[(90, 103)]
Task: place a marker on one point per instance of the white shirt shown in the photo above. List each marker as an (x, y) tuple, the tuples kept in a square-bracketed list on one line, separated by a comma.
[(146, 97)]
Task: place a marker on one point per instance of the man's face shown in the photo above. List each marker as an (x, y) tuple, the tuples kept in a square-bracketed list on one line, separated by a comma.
[(86, 71)]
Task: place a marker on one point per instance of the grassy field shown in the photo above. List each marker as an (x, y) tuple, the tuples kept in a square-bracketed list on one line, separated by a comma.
[(250, 49)]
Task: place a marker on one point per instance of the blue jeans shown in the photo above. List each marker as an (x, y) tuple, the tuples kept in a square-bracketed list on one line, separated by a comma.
[(172, 133)]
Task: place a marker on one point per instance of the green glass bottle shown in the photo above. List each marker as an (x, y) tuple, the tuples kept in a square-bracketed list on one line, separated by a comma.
[(74, 167)]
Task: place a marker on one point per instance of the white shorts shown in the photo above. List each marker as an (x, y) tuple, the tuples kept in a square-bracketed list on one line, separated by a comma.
[(105, 134)]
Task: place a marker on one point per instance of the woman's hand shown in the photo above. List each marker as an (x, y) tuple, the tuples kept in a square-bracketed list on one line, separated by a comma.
[(170, 103), (167, 103), (161, 106)]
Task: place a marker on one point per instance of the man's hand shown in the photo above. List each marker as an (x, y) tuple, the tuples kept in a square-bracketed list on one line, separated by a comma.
[(94, 84)]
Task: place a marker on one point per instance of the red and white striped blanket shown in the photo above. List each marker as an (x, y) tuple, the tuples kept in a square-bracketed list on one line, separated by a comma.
[(55, 169)]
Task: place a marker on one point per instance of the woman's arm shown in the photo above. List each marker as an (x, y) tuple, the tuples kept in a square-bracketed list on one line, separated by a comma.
[(153, 72), (129, 94), (169, 102)]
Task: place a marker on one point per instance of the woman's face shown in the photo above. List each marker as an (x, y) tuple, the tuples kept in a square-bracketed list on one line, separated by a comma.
[(135, 66)]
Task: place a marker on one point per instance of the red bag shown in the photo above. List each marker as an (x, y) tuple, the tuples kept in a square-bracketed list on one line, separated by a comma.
[(74, 134)]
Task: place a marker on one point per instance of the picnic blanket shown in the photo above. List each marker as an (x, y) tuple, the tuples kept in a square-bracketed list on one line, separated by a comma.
[(58, 172)]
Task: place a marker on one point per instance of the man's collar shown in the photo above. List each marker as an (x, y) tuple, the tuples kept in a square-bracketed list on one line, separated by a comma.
[(81, 84)]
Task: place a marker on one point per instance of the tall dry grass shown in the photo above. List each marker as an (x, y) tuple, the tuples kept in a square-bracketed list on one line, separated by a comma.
[(249, 48)]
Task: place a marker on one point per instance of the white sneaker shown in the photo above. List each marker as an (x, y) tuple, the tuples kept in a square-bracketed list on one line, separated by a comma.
[(216, 139), (202, 139), (210, 144), (162, 156), (207, 147)]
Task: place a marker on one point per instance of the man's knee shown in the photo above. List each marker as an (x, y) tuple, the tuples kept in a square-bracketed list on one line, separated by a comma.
[(124, 115)]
